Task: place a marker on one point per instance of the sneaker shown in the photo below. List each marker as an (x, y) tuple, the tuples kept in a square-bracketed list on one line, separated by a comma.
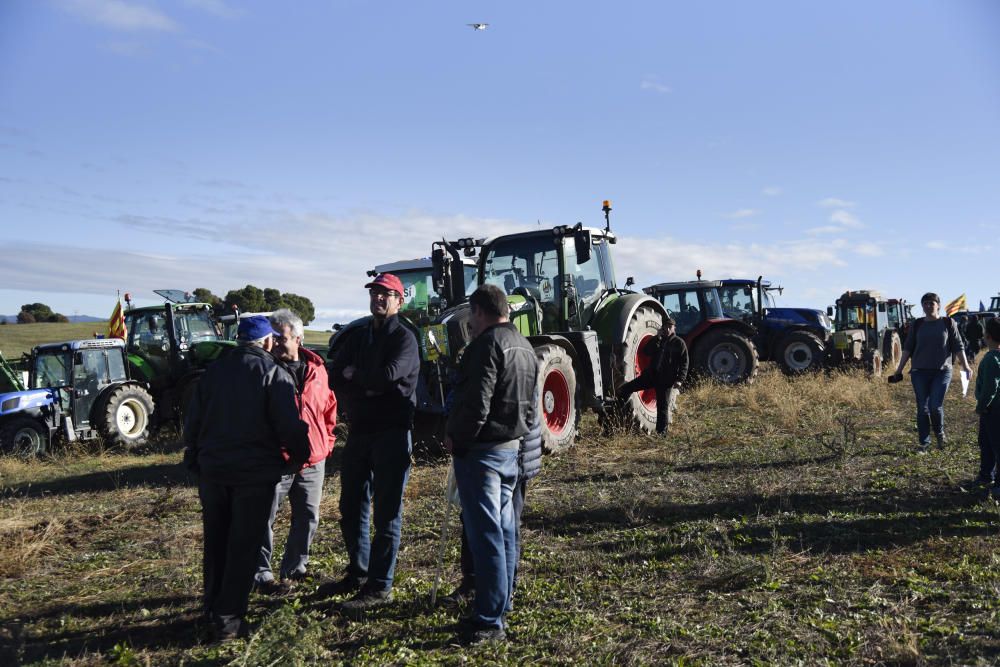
[(365, 601), (349, 584), (460, 597), (923, 448), (274, 587), (296, 576), (942, 439), (227, 628), (473, 635)]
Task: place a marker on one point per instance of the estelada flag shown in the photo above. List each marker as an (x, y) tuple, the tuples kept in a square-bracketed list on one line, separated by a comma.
[(956, 305), (116, 323)]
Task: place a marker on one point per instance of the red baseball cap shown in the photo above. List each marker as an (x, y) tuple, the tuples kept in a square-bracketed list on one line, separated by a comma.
[(387, 281)]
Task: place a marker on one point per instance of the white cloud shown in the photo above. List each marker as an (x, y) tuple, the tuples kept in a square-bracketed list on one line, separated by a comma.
[(845, 218), (833, 202), (869, 249), (825, 229), (653, 84), (121, 15), (743, 213), (970, 249), (771, 191), (936, 245), (216, 7)]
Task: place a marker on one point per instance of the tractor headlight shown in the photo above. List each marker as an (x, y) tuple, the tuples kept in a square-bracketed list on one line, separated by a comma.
[(10, 404)]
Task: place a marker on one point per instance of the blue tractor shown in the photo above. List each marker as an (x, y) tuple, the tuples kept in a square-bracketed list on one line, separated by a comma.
[(795, 338), (76, 390)]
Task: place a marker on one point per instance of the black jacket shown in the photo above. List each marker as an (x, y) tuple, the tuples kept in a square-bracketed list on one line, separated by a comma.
[(669, 361), (242, 411), (381, 394), (495, 393), (529, 456)]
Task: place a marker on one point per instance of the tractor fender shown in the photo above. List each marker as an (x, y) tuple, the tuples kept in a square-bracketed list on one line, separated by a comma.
[(582, 347), (612, 320), (739, 325), (102, 401)]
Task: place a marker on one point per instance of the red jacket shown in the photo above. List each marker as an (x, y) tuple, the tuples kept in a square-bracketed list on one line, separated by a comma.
[(317, 407)]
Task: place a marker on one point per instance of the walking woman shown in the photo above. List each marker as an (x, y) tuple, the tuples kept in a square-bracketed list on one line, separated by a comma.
[(932, 344)]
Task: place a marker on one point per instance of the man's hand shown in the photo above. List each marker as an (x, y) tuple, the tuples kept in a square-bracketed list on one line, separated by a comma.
[(348, 372), (895, 377), (448, 445)]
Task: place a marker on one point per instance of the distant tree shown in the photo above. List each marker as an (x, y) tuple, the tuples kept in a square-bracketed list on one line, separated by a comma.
[(273, 300), (24, 317), (57, 317), (250, 299), (39, 311), (3, 320), (300, 305)]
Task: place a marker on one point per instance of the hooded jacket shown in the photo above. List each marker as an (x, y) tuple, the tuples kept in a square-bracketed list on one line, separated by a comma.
[(317, 407), (242, 413)]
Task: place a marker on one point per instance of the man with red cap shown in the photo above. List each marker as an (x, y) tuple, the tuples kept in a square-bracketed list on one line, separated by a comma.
[(375, 377)]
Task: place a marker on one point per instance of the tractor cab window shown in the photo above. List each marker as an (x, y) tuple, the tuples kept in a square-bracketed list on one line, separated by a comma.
[(738, 302), (895, 315), (116, 366), (685, 308), (855, 315), (470, 280), (587, 277), (51, 370), (194, 326), (149, 333), (528, 266), (90, 367)]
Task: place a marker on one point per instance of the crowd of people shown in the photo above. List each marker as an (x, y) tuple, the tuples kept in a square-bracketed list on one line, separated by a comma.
[(260, 428)]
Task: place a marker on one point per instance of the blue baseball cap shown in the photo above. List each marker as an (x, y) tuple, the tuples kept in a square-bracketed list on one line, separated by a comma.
[(255, 328)]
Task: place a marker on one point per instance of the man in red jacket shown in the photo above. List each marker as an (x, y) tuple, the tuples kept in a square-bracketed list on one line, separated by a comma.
[(317, 408)]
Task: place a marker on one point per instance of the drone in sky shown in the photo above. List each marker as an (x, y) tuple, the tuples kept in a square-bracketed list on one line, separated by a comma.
[(478, 26)]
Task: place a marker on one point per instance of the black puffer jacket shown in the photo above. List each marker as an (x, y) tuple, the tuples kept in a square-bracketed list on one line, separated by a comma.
[(243, 408), (495, 394), (380, 395), (529, 457)]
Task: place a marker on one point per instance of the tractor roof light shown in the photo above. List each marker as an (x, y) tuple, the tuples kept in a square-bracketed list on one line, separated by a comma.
[(467, 242)]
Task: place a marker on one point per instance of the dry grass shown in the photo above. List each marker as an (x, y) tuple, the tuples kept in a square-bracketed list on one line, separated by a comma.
[(741, 540)]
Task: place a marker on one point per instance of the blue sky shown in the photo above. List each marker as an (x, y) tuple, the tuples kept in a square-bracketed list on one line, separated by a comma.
[(213, 143)]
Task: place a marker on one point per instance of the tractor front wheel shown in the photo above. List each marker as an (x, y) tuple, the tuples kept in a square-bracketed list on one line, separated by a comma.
[(558, 409), (727, 356), (800, 352), (639, 408), (893, 351), (873, 363), (24, 438), (124, 421)]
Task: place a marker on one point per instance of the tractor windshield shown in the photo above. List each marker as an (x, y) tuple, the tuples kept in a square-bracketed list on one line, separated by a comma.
[(418, 288), (855, 315), (51, 370), (527, 265), (194, 326), (738, 301)]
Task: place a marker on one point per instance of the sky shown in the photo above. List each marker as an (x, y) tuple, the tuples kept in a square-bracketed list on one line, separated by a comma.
[(216, 143)]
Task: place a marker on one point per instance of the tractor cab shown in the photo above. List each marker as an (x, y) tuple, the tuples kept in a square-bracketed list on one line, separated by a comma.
[(862, 333), (900, 316), (421, 300), (80, 371)]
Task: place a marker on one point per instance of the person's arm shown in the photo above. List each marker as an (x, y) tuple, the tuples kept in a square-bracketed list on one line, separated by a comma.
[(330, 419), (958, 348), (909, 345), (683, 363), (473, 400), (283, 411), (402, 362), (987, 385)]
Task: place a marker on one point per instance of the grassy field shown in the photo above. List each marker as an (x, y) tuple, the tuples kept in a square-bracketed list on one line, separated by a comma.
[(789, 522), (16, 339)]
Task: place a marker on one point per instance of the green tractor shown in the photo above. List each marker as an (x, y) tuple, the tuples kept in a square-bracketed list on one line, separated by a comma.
[(170, 345), (563, 296), (863, 335)]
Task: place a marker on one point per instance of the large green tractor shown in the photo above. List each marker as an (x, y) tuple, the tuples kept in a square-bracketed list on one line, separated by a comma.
[(564, 297), (169, 346)]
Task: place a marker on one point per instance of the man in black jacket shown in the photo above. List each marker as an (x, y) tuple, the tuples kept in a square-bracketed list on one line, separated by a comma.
[(495, 406), (243, 411), (665, 374), (374, 375)]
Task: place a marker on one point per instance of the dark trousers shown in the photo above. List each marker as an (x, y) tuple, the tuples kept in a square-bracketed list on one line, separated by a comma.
[(374, 470), (989, 445), (468, 569), (234, 520), (666, 399)]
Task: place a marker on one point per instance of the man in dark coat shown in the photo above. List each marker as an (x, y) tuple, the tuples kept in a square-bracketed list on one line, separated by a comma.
[(241, 415), (665, 374), (495, 406), (375, 375)]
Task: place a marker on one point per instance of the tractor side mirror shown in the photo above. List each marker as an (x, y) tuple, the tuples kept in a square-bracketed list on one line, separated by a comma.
[(629, 282), (582, 241), (437, 270), (829, 311)]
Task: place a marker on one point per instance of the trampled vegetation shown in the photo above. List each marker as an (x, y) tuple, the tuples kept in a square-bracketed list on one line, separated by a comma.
[(789, 522)]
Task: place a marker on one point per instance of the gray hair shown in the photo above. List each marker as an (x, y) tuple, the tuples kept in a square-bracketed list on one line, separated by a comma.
[(253, 343), (280, 318)]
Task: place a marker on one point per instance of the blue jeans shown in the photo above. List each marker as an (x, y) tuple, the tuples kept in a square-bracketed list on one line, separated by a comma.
[(486, 482), (930, 387), (304, 490), (375, 469)]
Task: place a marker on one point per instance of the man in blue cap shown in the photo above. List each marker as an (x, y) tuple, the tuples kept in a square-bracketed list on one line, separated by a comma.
[(242, 416)]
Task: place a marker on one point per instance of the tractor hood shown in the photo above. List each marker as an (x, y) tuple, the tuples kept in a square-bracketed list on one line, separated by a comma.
[(800, 316), (19, 401)]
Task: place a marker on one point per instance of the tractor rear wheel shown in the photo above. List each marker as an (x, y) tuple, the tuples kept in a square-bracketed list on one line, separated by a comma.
[(124, 421), (727, 356), (24, 438), (639, 408), (558, 409), (800, 352), (892, 350)]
